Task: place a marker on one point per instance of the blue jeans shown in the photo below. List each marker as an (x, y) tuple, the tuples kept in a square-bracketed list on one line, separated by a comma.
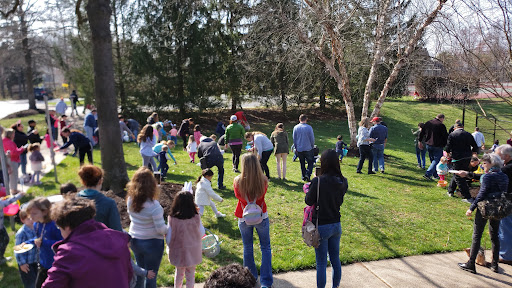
[(435, 154), (378, 157), (89, 132), (148, 253), (23, 163), (420, 155), (330, 235), (175, 139), (310, 158), (266, 254), (29, 279), (340, 154)]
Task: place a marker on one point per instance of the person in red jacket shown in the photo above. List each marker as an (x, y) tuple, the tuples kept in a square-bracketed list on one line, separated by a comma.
[(15, 152), (91, 255)]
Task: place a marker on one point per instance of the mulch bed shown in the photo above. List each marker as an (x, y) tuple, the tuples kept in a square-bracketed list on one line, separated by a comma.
[(168, 191)]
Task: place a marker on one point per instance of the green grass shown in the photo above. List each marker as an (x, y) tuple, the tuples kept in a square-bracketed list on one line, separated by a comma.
[(39, 118), (384, 216)]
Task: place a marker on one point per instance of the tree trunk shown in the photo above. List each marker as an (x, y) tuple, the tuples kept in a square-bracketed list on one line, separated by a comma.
[(28, 62), (181, 81), (282, 88), (120, 75), (234, 103), (322, 95), (112, 156)]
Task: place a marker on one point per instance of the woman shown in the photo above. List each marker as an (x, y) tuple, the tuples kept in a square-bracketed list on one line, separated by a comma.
[(363, 142), (492, 185), (263, 147), (147, 141), (234, 137), (106, 208), (147, 226), (184, 131), (280, 140), (251, 185), (82, 259), (21, 139), (152, 119), (420, 153), (16, 152), (333, 187)]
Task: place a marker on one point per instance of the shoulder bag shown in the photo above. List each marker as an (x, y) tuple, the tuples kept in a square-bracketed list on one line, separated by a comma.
[(495, 208), (310, 233)]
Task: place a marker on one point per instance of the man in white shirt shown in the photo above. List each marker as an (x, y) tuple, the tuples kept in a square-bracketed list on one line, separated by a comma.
[(479, 139)]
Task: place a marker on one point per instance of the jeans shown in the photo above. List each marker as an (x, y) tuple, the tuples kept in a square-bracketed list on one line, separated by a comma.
[(420, 155), (365, 151), (460, 181), (266, 254), (89, 132), (505, 236), (23, 163), (219, 162), (173, 138), (340, 154), (330, 235), (478, 230), (237, 149), (148, 253), (378, 157), (265, 155), (310, 158), (29, 279), (149, 161), (55, 133), (435, 154)]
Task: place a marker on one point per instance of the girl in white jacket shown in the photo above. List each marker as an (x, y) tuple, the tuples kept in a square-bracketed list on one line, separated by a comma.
[(205, 193)]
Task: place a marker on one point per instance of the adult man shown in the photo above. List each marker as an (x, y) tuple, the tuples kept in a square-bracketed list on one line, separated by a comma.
[(378, 132), (74, 100), (184, 131), (304, 141), (124, 128), (505, 233), (461, 145), (90, 125), (134, 126), (81, 143), (479, 139), (435, 136), (209, 155), (61, 107)]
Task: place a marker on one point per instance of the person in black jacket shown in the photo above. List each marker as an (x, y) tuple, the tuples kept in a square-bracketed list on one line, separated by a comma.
[(21, 140), (333, 187), (184, 131), (209, 155), (81, 143), (434, 135), (462, 146)]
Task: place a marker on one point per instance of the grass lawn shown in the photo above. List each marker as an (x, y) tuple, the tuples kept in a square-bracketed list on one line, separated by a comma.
[(384, 216)]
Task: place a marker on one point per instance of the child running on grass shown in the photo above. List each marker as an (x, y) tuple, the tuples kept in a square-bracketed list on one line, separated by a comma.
[(340, 145), (205, 193), (185, 230)]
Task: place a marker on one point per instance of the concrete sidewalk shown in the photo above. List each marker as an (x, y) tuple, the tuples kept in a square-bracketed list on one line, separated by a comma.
[(435, 270)]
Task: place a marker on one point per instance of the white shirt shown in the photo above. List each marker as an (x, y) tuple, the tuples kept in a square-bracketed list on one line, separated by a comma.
[(262, 143), (192, 147), (149, 222), (479, 138), (204, 193)]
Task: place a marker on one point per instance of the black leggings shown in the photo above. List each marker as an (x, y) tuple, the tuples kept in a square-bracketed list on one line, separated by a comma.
[(478, 230), (265, 155), (365, 151), (237, 149), (185, 141)]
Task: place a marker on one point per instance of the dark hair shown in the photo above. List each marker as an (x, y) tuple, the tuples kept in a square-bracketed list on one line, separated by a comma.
[(120, 117), (32, 147), (232, 275), (142, 187), (329, 163), (474, 158), (339, 137), (90, 175), (421, 125), (183, 206), (94, 110), (31, 121), (68, 187), (73, 211), (197, 127), (477, 129), (496, 141), (279, 127), (191, 120), (440, 116), (205, 172), (65, 130), (303, 117)]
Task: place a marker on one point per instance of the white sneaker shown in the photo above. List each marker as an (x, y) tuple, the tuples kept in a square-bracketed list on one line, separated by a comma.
[(220, 215)]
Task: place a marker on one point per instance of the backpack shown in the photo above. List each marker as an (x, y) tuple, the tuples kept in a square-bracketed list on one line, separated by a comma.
[(253, 215)]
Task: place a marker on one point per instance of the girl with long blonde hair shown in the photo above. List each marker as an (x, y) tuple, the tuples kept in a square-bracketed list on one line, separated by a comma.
[(251, 186)]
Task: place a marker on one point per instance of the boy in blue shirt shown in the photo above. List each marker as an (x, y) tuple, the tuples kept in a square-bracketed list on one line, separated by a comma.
[(340, 145), (27, 262)]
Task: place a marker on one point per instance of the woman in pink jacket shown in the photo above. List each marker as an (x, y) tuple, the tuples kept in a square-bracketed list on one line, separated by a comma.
[(15, 152)]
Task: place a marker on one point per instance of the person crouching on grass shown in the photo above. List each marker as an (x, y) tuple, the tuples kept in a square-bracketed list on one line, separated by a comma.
[(91, 255)]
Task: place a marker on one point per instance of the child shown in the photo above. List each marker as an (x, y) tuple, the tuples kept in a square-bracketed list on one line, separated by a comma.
[(141, 272), (4, 237), (47, 234), (192, 148), (174, 134), (496, 144), (158, 148), (68, 188), (36, 162), (205, 193), (47, 139), (442, 168), (185, 230), (295, 153), (340, 146), (162, 157), (197, 133), (27, 262)]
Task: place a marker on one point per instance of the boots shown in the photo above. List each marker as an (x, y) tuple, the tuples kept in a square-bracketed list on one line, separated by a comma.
[(468, 266), (494, 267)]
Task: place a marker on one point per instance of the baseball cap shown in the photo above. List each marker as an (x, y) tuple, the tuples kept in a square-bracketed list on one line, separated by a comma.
[(375, 119), (233, 118)]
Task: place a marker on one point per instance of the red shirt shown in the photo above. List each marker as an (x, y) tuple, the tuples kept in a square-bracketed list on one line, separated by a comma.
[(9, 145), (239, 212), (241, 117)]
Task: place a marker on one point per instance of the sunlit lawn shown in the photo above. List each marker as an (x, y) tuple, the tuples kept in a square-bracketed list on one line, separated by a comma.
[(383, 216)]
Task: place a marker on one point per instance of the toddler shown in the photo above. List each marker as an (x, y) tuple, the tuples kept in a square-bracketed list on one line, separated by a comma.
[(163, 157), (184, 234), (495, 145), (4, 237), (197, 133), (68, 188), (192, 148), (340, 146), (36, 162), (205, 193), (442, 168), (27, 262), (174, 134)]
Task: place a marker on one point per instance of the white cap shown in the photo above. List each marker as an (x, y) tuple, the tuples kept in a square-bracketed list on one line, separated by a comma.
[(233, 118)]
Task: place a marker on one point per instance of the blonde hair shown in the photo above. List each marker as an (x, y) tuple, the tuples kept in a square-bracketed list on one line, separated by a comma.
[(443, 159), (170, 143), (8, 133), (191, 139), (365, 122), (251, 182), (43, 204)]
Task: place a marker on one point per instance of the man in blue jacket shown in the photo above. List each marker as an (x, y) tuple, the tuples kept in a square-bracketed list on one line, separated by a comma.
[(378, 132), (90, 125), (81, 143), (304, 141)]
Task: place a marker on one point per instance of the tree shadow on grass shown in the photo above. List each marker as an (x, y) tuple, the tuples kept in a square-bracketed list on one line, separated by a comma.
[(357, 194)]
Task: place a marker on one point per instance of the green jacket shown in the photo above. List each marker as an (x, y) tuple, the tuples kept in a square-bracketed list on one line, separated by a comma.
[(235, 134)]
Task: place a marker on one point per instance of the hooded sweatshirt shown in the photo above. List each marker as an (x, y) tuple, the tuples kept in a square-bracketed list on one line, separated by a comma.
[(91, 256)]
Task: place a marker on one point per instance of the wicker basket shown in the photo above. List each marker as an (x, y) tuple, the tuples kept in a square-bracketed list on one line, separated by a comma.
[(211, 244)]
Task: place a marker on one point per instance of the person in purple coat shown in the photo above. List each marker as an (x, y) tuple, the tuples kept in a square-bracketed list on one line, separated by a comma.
[(91, 255)]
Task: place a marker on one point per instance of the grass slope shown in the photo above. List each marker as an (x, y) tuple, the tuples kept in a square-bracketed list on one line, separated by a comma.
[(384, 216)]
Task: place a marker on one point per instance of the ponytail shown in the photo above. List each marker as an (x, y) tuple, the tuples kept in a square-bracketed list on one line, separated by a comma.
[(205, 172)]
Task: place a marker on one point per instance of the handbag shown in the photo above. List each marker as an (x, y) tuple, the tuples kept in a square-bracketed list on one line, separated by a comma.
[(495, 208), (310, 233)]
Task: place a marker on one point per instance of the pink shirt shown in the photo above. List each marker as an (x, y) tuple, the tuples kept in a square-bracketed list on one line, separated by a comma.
[(174, 132), (9, 145), (197, 136)]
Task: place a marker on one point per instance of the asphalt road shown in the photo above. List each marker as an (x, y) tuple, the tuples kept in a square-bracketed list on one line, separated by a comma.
[(11, 106)]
